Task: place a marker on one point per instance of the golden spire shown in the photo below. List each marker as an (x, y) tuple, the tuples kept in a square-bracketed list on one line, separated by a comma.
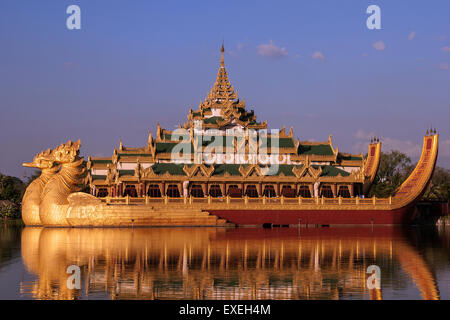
[(222, 90), (222, 61)]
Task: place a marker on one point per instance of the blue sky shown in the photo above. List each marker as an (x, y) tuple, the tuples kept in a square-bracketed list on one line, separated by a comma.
[(312, 65)]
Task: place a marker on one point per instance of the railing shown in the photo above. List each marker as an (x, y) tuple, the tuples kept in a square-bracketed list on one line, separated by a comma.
[(339, 201)]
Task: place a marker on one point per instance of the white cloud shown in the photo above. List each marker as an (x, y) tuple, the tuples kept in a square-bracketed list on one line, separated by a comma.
[(69, 65), (312, 115), (444, 148), (444, 154), (271, 50), (411, 149), (412, 35), (379, 45), (318, 55), (444, 66), (446, 49)]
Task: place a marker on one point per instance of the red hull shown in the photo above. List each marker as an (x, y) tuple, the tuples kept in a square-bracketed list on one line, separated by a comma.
[(321, 217)]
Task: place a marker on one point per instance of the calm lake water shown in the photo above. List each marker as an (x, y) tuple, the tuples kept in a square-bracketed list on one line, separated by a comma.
[(219, 263)]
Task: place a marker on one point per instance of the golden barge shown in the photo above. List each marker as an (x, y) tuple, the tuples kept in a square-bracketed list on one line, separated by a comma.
[(220, 167)]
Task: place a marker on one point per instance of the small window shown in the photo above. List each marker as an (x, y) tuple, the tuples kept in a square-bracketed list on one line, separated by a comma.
[(288, 192), (234, 191), (173, 191), (102, 192), (343, 192), (251, 191), (326, 192), (197, 191), (130, 191), (269, 191), (154, 191), (215, 191), (304, 192)]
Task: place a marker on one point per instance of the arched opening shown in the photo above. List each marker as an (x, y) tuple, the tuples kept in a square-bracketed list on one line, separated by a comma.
[(173, 191), (344, 192), (130, 190), (197, 191), (269, 191), (251, 191), (102, 192), (154, 191), (234, 191), (326, 192), (304, 192), (288, 192), (215, 191)]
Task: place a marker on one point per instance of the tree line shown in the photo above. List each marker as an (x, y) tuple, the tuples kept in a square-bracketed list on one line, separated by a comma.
[(395, 167)]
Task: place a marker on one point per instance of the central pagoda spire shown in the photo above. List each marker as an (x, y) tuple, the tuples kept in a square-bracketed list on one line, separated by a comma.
[(221, 108), (222, 61), (222, 91)]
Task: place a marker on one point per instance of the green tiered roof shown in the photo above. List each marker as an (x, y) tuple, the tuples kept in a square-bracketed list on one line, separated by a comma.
[(349, 157), (331, 171), (126, 173), (101, 161), (167, 147), (171, 168), (233, 169), (98, 177), (221, 169), (319, 149)]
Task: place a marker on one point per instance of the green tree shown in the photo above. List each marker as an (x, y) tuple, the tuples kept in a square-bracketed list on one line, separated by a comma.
[(11, 188), (439, 188), (395, 167)]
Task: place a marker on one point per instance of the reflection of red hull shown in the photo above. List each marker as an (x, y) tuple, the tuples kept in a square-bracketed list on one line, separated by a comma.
[(322, 217), (344, 233)]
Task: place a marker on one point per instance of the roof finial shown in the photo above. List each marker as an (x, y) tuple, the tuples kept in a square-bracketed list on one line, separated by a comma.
[(222, 50)]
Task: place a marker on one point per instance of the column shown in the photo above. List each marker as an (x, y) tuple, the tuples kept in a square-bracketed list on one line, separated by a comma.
[(205, 189), (311, 190), (334, 189)]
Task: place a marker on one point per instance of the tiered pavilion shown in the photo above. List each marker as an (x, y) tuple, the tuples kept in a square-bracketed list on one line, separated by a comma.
[(222, 150)]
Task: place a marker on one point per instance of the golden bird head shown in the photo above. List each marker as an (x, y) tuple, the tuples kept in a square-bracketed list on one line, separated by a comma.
[(42, 160), (67, 152)]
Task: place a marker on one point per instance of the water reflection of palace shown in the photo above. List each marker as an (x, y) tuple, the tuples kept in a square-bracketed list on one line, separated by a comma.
[(211, 263)]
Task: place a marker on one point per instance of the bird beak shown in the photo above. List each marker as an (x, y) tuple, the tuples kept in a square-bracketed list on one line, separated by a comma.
[(29, 164)]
